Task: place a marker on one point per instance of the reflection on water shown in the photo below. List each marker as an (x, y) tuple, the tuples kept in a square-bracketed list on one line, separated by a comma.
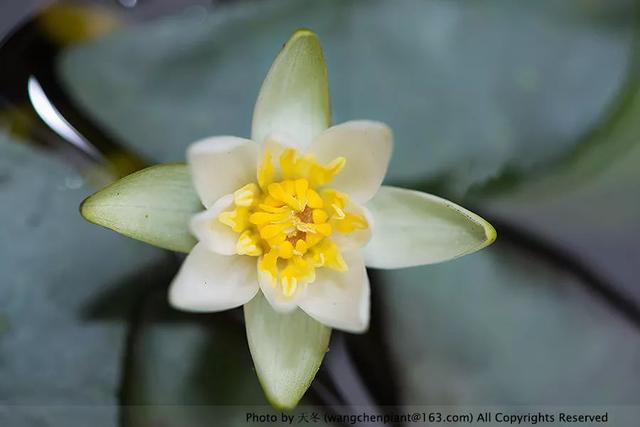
[(56, 122), (34, 106)]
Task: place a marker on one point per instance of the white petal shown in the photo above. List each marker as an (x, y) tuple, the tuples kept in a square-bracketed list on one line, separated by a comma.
[(211, 233), (367, 147), (211, 282), (294, 97), (340, 300), (273, 294), (220, 165), (414, 228), (357, 238)]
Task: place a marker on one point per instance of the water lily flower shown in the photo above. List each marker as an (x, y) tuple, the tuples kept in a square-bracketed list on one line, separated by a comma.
[(286, 222)]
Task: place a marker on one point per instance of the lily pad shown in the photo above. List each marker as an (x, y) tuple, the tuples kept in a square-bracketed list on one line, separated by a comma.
[(587, 205), (507, 326), (59, 365), (468, 87)]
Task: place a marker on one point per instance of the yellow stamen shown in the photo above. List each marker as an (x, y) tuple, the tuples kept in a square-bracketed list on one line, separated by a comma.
[(319, 216), (350, 222), (248, 244), (237, 219), (288, 217), (246, 195), (265, 171), (269, 264), (314, 201)]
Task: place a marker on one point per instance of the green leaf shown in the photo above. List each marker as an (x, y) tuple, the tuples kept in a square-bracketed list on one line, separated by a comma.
[(469, 88), (184, 370), (586, 205), (294, 97), (287, 350), (506, 327), (414, 228), (153, 205), (55, 269)]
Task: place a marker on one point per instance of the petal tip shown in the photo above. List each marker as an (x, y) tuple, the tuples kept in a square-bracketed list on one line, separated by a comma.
[(295, 94), (287, 351), (359, 329), (175, 299), (90, 207), (280, 405), (490, 233), (85, 209), (179, 299), (303, 32)]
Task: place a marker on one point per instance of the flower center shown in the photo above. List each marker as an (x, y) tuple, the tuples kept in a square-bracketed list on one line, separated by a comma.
[(289, 223), (304, 217)]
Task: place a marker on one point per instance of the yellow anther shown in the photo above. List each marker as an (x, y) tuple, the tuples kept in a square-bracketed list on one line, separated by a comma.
[(334, 168), (237, 219), (319, 216), (326, 254), (304, 227), (301, 186), (315, 258), (321, 175), (284, 192), (297, 271), (265, 171), (335, 199), (285, 250), (289, 188), (289, 283), (272, 230), (260, 218), (301, 247), (336, 262), (272, 206), (246, 195), (269, 264), (314, 201), (248, 244), (288, 163), (276, 190), (313, 239), (324, 229), (350, 222), (228, 219)]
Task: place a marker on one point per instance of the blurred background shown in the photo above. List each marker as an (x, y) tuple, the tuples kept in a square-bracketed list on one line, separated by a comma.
[(526, 112)]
